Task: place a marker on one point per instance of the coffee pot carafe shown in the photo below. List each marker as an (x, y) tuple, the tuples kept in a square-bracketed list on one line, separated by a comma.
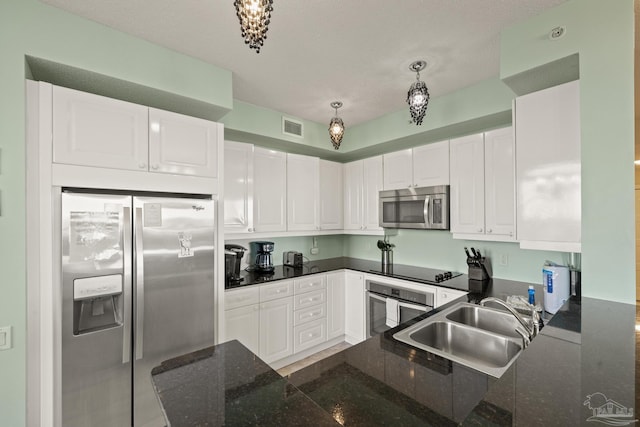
[(264, 257)]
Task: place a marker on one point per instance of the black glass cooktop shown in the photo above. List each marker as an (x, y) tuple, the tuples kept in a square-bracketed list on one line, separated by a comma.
[(427, 275)]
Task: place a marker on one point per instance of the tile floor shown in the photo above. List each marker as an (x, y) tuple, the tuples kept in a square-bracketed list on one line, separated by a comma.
[(289, 369)]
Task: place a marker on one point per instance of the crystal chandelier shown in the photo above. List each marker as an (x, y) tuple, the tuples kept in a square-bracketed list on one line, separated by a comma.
[(254, 16), (336, 126), (418, 95)]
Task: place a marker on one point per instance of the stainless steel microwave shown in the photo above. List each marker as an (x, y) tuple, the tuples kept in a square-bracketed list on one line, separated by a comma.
[(425, 208)]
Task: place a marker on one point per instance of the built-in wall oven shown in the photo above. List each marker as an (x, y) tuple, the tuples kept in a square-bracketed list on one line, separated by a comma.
[(388, 305)]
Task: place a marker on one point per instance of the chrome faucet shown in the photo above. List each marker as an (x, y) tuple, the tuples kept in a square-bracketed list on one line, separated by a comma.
[(532, 329)]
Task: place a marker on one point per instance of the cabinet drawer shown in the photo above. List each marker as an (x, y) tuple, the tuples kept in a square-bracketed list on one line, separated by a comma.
[(309, 335), (309, 299), (305, 315), (309, 283), (241, 297), (276, 290)]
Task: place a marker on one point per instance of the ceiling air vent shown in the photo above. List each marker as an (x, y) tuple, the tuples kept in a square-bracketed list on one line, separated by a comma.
[(292, 127)]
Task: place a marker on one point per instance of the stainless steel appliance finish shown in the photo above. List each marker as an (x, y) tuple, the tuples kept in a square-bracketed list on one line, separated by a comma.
[(292, 259), (425, 208), (137, 289), (410, 304), (264, 257)]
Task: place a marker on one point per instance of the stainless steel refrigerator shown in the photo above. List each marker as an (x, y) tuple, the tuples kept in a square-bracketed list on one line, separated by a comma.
[(137, 289)]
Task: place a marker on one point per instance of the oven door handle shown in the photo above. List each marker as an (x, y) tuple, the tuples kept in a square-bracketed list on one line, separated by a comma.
[(376, 296), (419, 307)]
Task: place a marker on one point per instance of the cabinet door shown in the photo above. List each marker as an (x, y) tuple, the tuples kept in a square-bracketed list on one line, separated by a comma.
[(467, 184), (500, 193), (548, 168), (269, 190), (431, 164), (92, 130), (238, 187), (183, 145), (397, 170), (335, 304), (242, 324), (302, 192), (353, 187), (372, 182), (276, 329), (331, 198), (354, 327)]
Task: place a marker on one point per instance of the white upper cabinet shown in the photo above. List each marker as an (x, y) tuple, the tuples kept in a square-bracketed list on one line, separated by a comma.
[(238, 187), (549, 168), (303, 189), (499, 185), (431, 164), (372, 181), (362, 182), (398, 170), (269, 190), (422, 166), (467, 184), (92, 130), (331, 195), (184, 145), (483, 186)]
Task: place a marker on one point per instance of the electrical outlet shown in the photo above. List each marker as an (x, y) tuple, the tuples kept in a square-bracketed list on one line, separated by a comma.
[(504, 260), (315, 251), (5, 337)]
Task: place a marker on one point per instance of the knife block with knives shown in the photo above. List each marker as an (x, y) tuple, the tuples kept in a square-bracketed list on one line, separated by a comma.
[(478, 265)]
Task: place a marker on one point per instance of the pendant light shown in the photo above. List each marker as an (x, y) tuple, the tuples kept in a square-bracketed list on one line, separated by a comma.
[(418, 95), (254, 16), (336, 126)]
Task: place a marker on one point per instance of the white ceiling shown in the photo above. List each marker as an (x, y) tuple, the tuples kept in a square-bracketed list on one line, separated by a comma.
[(318, 51)]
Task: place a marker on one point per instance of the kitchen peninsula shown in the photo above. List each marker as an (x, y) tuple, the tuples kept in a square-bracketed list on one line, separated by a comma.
[(557, 380)]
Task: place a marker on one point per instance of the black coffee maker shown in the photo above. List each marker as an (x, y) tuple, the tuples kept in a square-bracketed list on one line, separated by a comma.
[(232, 259), (264, 259)]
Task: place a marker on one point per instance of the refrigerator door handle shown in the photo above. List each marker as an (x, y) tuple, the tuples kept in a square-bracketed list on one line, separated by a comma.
[(139, 259), (125, 225)]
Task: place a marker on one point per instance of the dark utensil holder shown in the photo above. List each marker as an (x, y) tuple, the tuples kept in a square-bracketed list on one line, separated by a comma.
[(477, 269)]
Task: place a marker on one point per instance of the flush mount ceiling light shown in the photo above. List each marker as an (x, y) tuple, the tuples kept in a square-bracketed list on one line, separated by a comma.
[(336, 126), (418, 95), (254, 16)]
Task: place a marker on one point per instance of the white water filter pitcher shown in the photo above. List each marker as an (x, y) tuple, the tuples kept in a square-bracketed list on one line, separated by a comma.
[(555, 280)]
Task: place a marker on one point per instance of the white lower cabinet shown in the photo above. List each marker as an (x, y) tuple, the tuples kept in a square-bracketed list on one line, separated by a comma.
[(335, 304), (276, 328), (242, 324), (354, 325)]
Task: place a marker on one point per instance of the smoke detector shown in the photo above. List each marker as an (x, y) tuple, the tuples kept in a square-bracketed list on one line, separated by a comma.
[(557, 32)]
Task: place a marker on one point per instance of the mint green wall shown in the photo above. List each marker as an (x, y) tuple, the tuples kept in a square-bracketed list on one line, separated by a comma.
[(28, 27), (602, 32), (436, 249)]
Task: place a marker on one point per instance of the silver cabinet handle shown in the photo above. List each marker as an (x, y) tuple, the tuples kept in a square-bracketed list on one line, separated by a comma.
[(154, 167), (125, 223), (479, 230), (139, 260), (489, 231), (142, 165)]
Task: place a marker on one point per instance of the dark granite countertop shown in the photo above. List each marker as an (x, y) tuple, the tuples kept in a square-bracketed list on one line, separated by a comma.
[(582, 364), (478, 290)]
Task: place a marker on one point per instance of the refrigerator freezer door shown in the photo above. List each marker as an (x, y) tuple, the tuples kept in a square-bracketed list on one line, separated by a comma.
[(174, 300), (96, 368)]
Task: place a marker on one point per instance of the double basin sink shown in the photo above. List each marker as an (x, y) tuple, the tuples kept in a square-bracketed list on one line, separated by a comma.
[(479, 337)]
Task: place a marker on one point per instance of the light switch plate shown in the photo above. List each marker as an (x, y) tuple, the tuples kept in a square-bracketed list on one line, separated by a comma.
[(5, 337)]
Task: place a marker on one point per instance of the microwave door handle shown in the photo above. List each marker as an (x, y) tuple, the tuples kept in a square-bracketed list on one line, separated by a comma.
[(427, 203)]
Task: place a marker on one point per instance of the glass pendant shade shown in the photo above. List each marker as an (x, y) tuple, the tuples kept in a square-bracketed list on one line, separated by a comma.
[(254, 16), (336, 127), (418, 95)]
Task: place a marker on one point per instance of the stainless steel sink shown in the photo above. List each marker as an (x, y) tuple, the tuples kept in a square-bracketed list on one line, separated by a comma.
[(500, 322), (478, 337)]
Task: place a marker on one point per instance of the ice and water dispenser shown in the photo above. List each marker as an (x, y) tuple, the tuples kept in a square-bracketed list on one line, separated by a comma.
[(97, 303)]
